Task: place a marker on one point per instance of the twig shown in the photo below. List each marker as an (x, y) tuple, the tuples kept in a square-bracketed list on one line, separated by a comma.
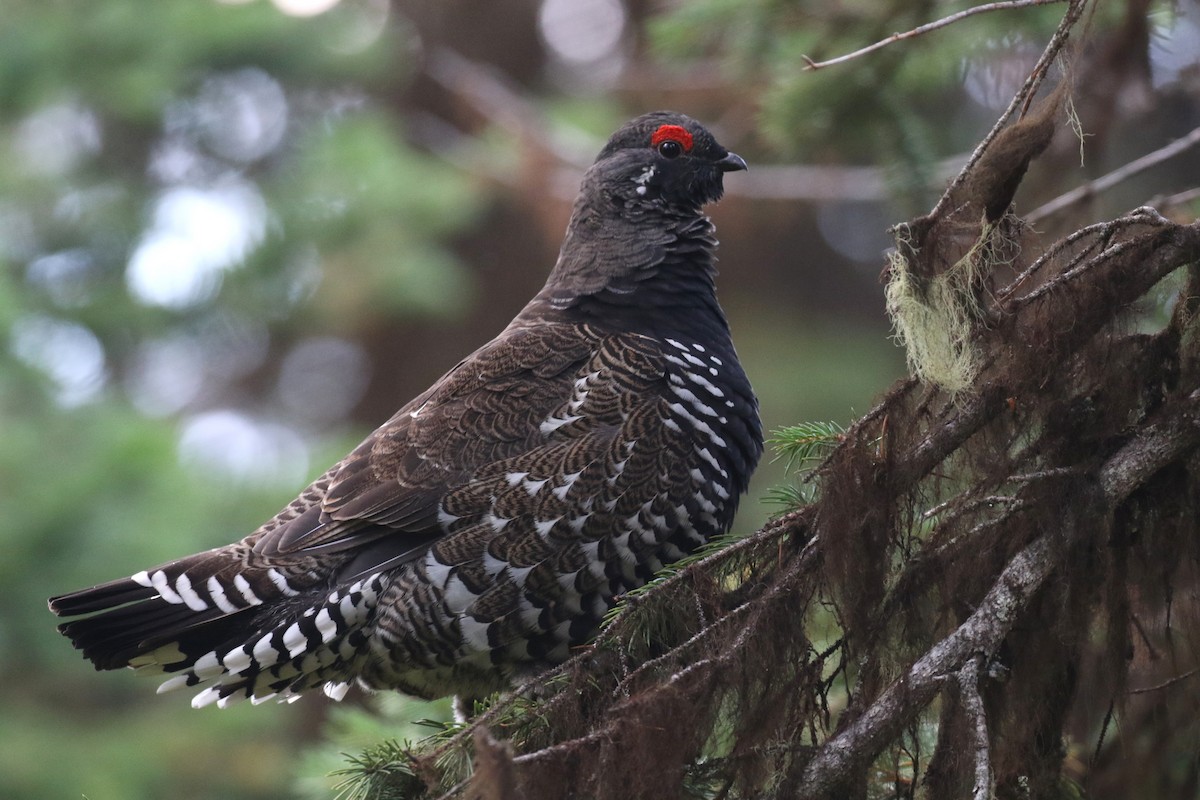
[(1106, 182), (1027, 90), (1108, 715), (1043, 474), (453, 790), (1166, 683), (972, 703), (569, 744), (807, 559), (1106, 231), (967, 504), (926, 28), (1178, 199), (1100, 258)]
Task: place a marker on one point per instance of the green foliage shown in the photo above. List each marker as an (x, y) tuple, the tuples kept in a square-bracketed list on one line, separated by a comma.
[(130, 57), (800, 444), (377, 207), (801, 447), (380, 771), (365, 752), (102, 116)]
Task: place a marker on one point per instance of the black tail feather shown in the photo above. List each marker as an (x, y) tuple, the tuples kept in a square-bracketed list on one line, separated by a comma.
[(112, 638), (97, 598)]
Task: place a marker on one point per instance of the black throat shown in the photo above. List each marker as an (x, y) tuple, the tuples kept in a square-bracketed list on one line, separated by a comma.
[(644, 270)]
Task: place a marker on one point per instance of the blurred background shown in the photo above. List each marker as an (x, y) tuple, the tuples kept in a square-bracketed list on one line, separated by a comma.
[(236, 236)]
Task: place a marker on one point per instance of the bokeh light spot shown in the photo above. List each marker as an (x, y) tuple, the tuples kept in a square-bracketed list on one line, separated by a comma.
[(67, 353), (582, 31), (243, 449), (196, 235)]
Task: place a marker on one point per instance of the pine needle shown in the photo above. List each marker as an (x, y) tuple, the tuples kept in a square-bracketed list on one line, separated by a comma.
[(805, 442)]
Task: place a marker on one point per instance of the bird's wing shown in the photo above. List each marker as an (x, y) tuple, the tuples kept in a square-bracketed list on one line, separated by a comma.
[(491, 407)]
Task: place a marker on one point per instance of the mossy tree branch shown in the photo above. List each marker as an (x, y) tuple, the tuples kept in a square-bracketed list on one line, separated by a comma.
[(1024, 524)]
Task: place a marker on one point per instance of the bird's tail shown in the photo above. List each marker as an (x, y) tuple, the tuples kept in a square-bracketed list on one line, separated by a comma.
[(216, 622)]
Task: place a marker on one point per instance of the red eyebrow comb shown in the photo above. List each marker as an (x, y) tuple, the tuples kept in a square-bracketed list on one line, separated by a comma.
[(674, 133)]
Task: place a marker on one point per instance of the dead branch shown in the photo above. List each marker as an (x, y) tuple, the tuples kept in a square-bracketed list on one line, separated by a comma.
[(972, 703), (1158, 687), (1020, 100), (863, 740), (926, 28), (1102, 184)]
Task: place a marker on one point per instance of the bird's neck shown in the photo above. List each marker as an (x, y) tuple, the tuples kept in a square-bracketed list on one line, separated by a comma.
[(643, 270)]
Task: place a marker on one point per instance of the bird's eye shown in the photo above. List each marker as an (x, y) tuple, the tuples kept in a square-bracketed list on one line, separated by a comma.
[(669, 148), (671, 141)]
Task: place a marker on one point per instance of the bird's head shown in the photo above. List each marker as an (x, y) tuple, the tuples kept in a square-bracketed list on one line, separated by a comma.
[(637, 238), (664, 159)]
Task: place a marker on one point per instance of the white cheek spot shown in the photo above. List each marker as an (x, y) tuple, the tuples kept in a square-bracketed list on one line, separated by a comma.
[(642, 180)]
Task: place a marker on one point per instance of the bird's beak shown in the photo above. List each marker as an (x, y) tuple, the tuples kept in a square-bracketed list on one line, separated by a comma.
[(732, 162)]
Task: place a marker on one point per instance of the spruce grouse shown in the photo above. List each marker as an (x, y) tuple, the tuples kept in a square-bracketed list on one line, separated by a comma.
[(487, 527)]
